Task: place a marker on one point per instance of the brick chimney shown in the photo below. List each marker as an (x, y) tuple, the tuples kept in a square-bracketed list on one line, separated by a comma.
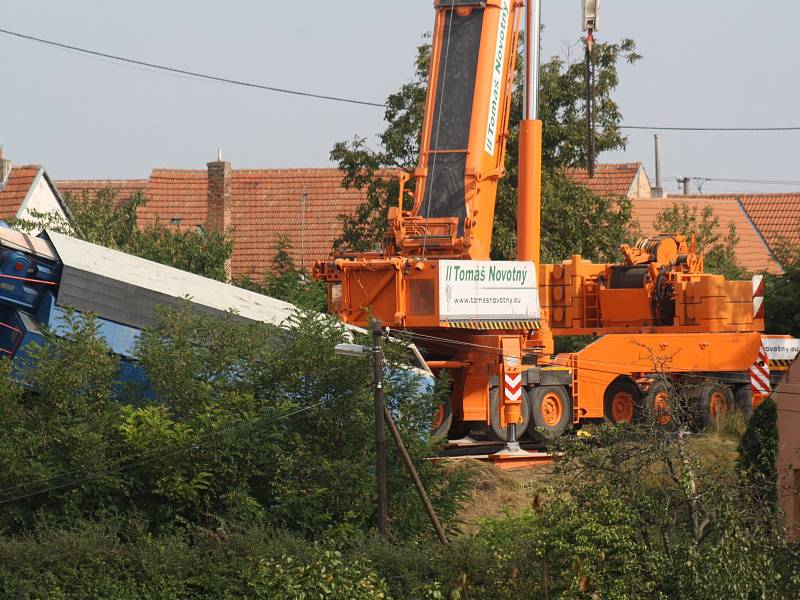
[(5, 168), (219, 194)]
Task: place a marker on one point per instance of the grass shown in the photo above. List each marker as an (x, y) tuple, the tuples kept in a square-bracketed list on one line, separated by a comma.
[(497, 492)]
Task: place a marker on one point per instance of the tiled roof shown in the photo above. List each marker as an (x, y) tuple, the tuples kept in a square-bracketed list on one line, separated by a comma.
[(124, 187), (609, 179), (777, 216), (752, 252), (176, 194), (269, 202), (16, 188), (265, 203)]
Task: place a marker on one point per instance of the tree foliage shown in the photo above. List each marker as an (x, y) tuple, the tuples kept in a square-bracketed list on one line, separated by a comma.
[(566, 206), (286, 281), (758, 455), (781, 291), (719, 251), (251, 424), (106, 220)]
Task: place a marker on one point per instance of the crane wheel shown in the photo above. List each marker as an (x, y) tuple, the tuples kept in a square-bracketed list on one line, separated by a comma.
[(657, 405), (442, 419), (714, 401), (551, 412), (498, 431), (743, 401), (622, 402)]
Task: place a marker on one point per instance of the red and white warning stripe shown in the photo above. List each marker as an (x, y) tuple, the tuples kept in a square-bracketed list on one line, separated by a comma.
[(758, 296), (759, 374), (513, 387)]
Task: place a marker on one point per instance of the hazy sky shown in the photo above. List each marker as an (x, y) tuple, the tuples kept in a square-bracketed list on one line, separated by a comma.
[(706, 63)]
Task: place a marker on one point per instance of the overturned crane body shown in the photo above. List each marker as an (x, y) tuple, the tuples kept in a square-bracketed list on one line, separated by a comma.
[(492, 323)]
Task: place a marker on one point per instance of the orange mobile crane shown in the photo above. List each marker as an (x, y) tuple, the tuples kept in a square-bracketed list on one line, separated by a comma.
[(492, 323)]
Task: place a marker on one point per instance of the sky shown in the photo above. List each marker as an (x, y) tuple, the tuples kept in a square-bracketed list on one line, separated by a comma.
[(706, 63)]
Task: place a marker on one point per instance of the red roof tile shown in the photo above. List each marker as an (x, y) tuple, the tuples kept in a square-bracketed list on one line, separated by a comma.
[(752, 252), (16, 189), (609, 179), (268, 203), (777, 216), (176, 194), (265, 203)]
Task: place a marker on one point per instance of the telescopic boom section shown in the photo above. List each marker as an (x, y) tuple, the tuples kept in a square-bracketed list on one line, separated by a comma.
[(462, 149)]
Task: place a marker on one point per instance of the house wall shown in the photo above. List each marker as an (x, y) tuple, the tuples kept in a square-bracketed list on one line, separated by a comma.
[(41, 199), (640, 188), (787, 399)]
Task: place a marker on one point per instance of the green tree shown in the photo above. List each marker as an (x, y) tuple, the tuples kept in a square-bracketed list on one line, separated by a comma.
[(287, 282), (758, 454), (105, 220), (781, 291), (567, 207), (251, 424), (719, 251)]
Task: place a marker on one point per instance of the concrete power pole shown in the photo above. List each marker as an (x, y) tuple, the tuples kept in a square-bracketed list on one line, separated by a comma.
[(380, 437)]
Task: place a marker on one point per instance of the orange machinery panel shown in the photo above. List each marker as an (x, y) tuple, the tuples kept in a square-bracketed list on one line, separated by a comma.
[(613, 355)]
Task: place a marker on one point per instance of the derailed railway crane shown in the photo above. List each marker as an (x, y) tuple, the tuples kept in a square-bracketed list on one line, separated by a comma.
[(492, 323)]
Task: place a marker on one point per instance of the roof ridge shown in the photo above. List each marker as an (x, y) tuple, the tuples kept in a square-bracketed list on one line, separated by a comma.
[(759, 233), (57, 181)]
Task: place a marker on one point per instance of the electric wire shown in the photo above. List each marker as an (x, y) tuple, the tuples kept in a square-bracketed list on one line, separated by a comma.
[(195, 74), (144, 458), (122, 61), (665, 128), (753, 181)]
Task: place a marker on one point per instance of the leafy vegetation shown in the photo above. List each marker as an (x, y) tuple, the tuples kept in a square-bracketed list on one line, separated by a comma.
[(285, 281), (782, 310), (718, 251), (106, 220)]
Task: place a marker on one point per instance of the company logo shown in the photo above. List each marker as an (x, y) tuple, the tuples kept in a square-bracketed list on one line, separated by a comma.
[(493, 120)]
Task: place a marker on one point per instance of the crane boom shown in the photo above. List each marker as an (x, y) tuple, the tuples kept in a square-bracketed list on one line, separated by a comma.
[(464, 133)]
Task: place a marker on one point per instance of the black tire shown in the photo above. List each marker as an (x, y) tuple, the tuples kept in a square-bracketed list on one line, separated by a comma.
[(444, 416), (656, 405), (622, 402), (499, 432), (743, 401), (712, 400), (546, 424)]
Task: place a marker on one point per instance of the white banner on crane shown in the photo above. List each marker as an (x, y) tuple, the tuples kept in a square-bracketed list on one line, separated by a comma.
[(781, 348), (488, 290), (493, 120)]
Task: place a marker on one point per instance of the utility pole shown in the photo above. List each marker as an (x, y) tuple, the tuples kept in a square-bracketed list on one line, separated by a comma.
[(412, 471), (380, 438), (590, 25)]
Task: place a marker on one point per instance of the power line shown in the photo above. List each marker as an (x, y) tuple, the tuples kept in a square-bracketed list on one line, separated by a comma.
[(280, 90), (662, 128), (755, 181), (195, 74)]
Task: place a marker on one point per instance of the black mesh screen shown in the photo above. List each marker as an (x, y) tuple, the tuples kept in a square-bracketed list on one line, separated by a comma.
[(444, 189)]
